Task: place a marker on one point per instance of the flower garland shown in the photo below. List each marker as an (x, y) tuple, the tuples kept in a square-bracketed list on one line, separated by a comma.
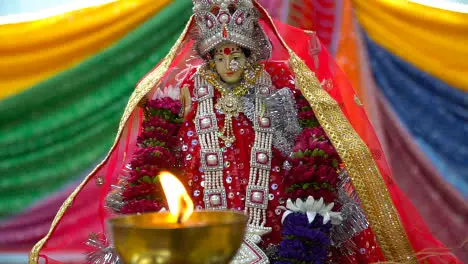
[(141, 190), (312, 183), (315, 162), (315, 165)]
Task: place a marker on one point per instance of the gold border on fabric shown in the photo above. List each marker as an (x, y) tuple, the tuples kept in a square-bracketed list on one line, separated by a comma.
[(362, 168), (141, 90)]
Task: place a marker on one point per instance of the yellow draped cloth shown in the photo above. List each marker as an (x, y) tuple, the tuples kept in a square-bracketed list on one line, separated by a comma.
[(36, 50), (434, 40)]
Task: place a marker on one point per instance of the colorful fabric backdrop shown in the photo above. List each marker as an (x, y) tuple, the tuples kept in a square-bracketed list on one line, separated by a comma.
[(405, 60), (413, 82), (82, 62)]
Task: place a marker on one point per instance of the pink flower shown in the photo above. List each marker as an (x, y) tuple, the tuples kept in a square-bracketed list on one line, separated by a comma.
[(158, 156), (158, 130), (306, 115), (143, 193), (327, 174), (311, 138), (301, 102), (143, 189), (148, 162), (315, 165), (141, 206), (165, 103)]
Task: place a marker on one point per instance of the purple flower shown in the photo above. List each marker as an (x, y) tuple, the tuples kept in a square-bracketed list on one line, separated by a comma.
[(304, 242)]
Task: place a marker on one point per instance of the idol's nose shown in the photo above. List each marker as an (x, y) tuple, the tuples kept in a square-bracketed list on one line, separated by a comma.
[(227, 62)]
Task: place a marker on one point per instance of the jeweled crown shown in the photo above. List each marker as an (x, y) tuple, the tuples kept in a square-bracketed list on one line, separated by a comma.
[(233, 21)]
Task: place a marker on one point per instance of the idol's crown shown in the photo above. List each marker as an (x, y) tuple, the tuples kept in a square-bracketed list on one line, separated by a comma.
[(226, 21)]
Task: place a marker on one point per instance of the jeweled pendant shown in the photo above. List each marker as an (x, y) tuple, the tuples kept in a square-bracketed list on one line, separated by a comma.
[(215, 200), (227, 134), (257, 197), (265, 122), (262, 158), (229, 104), (212, 160), (205, 123)]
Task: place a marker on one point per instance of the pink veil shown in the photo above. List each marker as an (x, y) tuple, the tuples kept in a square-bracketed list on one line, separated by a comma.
[(399, 229)]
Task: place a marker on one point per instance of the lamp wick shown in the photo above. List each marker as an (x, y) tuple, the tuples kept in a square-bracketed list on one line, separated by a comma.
[(183, 208)]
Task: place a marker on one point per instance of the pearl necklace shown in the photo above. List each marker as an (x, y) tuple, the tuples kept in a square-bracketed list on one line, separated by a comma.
[(260, 161)]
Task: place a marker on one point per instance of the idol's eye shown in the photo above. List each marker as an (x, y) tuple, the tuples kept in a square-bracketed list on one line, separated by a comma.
[(220, 59)]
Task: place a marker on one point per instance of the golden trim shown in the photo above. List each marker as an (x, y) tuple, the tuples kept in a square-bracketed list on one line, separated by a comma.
[(359, 162), (362, 168), (141, 90)]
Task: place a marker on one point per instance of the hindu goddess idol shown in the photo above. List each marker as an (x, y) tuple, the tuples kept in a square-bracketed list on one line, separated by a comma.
[(260, 120)]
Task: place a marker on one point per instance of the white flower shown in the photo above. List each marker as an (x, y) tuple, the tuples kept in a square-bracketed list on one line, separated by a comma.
[(170, 91), (311, 208)]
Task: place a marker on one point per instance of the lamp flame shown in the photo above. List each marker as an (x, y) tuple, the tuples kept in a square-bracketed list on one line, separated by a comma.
[(178, 200)]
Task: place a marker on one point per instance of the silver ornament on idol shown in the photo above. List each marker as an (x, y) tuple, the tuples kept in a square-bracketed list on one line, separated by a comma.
[(235, 21), (256, 201), (234, 65)]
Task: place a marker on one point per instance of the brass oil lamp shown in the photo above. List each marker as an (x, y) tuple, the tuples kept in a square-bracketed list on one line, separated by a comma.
[(180, 236)]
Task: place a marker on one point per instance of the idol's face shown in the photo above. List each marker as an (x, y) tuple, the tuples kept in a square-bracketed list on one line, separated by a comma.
[(230, 62)]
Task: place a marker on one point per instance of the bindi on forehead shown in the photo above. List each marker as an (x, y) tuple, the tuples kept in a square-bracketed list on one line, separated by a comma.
[(227, 50)]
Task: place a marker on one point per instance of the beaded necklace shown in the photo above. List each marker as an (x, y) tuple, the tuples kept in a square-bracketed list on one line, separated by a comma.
[(211, 154), (230, 103)]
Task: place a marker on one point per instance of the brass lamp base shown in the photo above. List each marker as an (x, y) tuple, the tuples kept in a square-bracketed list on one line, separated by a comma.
[(207, 237)]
